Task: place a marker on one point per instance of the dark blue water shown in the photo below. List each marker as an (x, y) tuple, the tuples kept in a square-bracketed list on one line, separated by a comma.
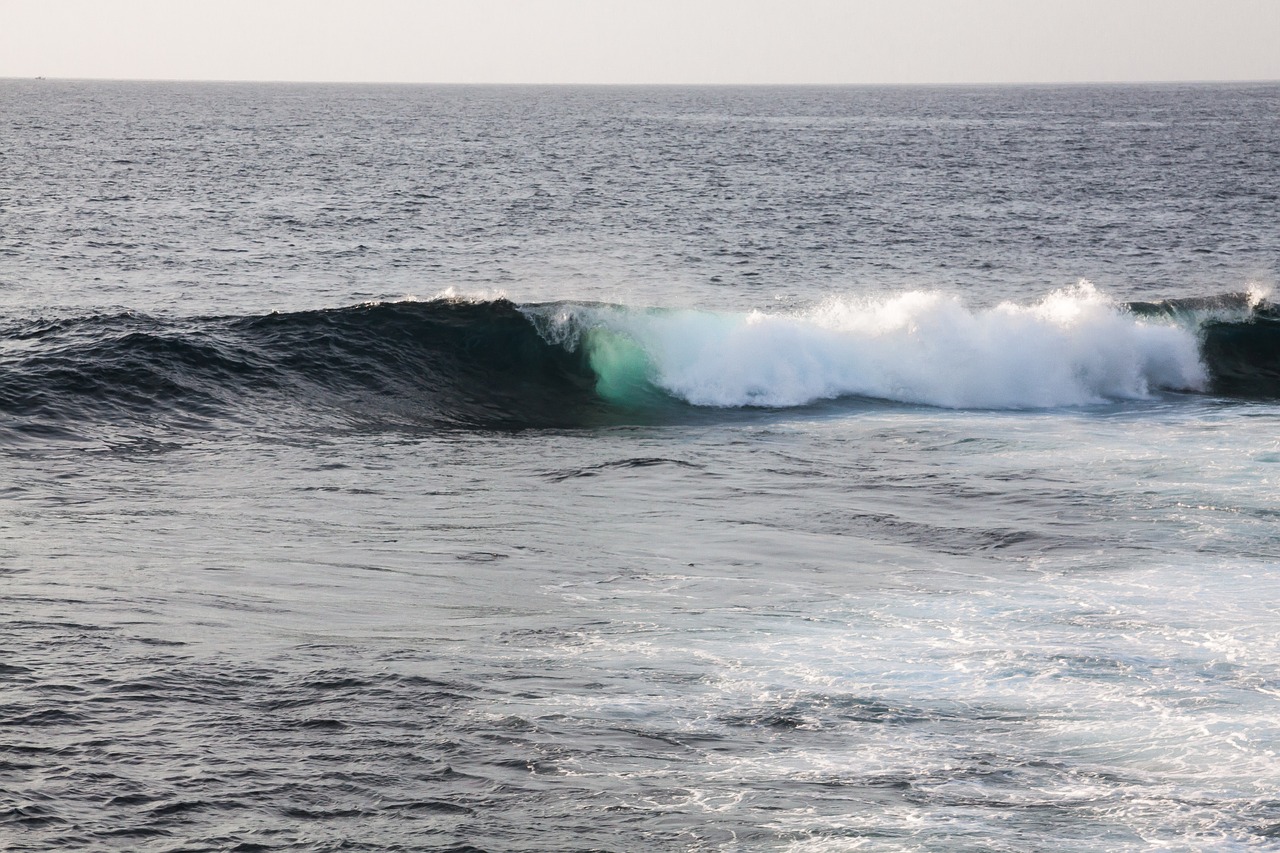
[(412, 468)]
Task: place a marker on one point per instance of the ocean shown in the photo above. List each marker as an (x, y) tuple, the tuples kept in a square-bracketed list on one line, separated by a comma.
[(396, 468)]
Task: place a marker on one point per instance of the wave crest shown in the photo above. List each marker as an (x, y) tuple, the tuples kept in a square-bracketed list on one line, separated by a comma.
[(1074, 347)]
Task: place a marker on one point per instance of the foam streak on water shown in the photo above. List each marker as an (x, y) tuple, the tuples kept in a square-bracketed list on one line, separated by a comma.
[(904, 629)]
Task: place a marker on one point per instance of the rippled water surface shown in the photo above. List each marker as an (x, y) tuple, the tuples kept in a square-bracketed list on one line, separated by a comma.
[(766, 481)]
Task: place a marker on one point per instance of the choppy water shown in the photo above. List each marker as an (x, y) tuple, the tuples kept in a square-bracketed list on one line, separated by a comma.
[(505, 469)]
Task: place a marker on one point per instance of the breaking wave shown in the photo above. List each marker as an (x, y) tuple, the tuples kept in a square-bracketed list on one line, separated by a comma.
[(1073, 348), (492, 364)]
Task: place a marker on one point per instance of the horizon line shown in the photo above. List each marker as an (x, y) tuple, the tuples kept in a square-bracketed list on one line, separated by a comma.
[(634, 84)]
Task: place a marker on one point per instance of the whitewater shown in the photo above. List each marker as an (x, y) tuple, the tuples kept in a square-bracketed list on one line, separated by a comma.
[(719, 469), (1072, 348)]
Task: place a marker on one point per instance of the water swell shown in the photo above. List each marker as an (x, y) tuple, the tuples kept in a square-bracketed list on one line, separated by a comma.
[(1239, 336), (492, 364), (442, 364)]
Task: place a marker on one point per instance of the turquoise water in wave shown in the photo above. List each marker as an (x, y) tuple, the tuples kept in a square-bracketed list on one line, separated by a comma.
[(417, 468)]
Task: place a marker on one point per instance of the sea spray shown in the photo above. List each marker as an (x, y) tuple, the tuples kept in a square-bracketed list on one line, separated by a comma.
[(1074, 347)]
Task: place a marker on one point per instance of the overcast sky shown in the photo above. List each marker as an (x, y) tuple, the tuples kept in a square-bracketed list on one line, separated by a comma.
[(644, 41)]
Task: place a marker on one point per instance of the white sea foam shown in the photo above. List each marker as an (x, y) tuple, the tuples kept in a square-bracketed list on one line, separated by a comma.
[(456, 294), (1258, 293), (1073, 347)]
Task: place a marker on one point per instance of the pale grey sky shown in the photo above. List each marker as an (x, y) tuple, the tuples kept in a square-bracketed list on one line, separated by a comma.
[(644, 41)]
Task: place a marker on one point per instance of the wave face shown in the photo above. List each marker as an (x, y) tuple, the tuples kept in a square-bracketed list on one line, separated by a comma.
[(445, 363), (451, 363)]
